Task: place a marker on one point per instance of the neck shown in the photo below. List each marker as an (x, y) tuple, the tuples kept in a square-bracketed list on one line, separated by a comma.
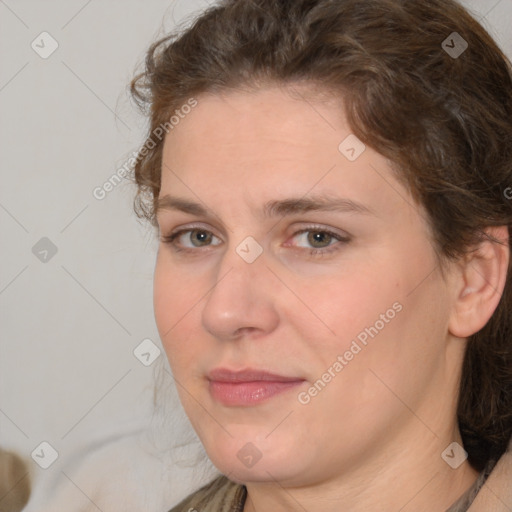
[(407, 477)]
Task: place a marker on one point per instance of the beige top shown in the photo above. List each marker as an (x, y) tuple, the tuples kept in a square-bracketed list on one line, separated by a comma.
[(491, 492)]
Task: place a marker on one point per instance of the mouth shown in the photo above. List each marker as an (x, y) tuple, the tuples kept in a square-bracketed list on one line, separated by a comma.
[(248, 387)]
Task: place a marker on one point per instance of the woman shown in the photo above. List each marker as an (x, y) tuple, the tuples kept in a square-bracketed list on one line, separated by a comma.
[(328, 180)]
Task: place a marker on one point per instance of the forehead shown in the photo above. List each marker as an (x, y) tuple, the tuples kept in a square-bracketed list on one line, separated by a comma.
[(263, 131), (257, 126), (271, 143)]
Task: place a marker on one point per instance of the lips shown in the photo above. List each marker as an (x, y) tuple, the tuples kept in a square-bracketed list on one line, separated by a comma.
[(249, 375), (248, 387)]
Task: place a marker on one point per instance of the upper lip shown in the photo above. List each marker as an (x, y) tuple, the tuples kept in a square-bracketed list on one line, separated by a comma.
[(248, 375)]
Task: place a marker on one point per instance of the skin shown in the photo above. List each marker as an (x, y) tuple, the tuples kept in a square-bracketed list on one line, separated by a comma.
[(372, 438)]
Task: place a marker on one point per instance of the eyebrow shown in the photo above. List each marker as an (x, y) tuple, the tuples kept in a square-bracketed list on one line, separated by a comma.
[(274, 208)]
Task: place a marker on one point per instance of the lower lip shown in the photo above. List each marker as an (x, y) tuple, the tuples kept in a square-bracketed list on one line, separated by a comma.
[(248, 393)]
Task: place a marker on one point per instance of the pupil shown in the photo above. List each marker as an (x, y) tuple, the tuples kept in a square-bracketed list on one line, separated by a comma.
[(201, 236)]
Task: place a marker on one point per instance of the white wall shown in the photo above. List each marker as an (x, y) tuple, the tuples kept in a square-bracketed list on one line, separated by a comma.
[(68, 326)]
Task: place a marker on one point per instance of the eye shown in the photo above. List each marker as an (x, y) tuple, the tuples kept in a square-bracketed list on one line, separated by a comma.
[(196, 236), (320, 239)]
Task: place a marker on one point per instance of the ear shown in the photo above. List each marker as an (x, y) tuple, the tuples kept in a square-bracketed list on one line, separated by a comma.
[(481, 284)]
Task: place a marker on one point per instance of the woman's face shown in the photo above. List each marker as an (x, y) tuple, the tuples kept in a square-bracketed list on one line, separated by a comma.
[(345, 304)]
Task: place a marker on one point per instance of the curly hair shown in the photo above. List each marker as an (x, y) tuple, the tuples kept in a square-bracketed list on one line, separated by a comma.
[(443, 118)]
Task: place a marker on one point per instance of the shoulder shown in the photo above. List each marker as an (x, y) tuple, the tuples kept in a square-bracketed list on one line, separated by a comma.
[(220, 495), (496, 494)]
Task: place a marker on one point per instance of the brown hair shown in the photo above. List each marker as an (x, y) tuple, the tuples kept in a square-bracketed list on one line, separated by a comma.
[(444, 120)]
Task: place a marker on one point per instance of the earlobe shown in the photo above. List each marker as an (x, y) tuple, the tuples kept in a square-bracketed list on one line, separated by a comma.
[(481, 284)]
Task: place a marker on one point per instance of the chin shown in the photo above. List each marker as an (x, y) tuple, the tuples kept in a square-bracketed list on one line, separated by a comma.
[(252, 458)]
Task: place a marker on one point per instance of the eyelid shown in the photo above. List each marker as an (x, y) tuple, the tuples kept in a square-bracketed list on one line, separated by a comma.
[(191, 227), (322, 229)]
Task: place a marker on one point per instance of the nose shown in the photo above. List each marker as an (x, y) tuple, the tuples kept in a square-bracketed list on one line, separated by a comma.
[(242, 299)]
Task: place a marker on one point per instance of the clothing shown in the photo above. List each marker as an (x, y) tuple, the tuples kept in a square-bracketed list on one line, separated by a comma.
[(463, 503), (220, 495), (491, 492)]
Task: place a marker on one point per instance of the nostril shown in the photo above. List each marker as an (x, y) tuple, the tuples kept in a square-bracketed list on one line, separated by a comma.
[(243, 331)]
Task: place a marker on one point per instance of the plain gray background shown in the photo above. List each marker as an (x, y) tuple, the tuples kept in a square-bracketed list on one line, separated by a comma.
[(69, 325)]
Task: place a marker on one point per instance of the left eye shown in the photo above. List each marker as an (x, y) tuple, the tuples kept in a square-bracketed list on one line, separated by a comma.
[(318, 239)]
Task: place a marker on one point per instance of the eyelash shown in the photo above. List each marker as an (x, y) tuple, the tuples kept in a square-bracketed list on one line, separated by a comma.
[(170, 240)]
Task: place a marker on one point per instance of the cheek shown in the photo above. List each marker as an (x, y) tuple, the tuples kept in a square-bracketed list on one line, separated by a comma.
[(175, 301), (384, 325), (370, 316), (347, 305)]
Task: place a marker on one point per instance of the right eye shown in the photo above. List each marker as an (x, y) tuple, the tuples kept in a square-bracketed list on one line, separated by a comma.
[(198, 237)]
